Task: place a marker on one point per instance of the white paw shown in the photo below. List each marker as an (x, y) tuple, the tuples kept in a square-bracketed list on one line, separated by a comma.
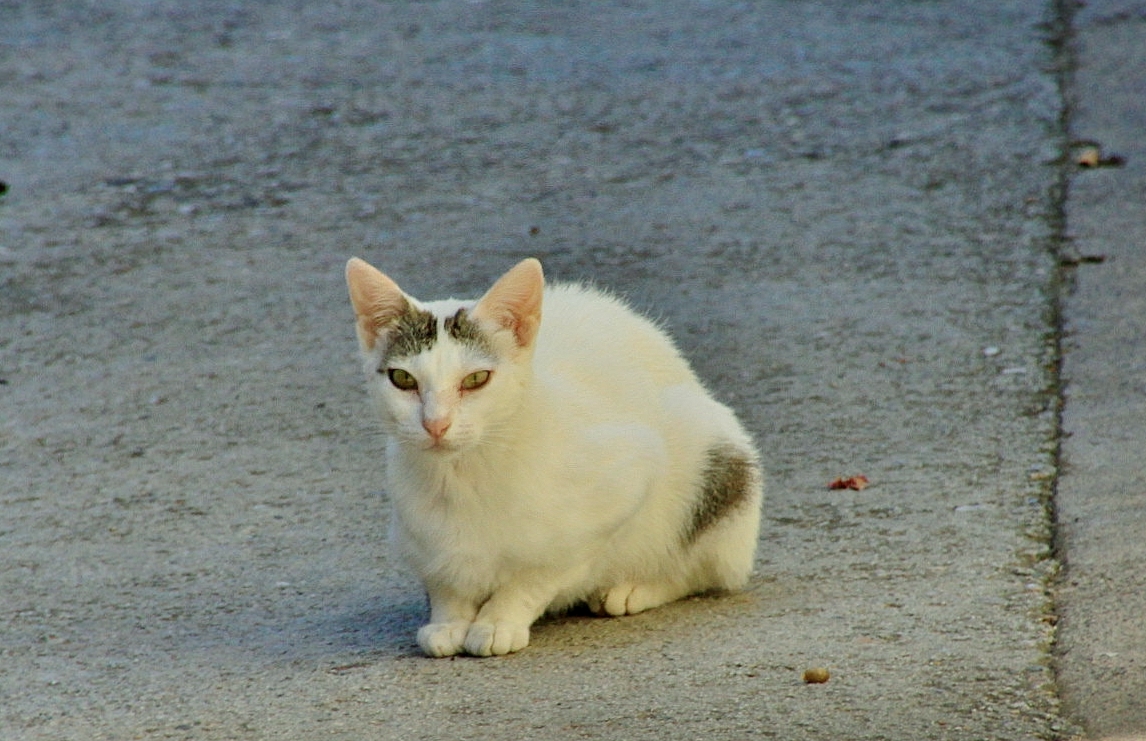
[(442, 639), (496, 639), (627, 599)]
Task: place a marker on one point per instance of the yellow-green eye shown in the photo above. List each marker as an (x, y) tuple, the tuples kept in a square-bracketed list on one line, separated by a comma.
[(475, 380), (402, 380)]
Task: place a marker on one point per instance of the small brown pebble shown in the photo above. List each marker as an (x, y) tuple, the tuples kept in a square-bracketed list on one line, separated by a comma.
[(1093, 156), (816, 675), (1089, 157), (855, 483)]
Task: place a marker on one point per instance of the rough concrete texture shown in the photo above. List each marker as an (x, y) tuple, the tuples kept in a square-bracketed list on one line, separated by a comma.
[(1102, 494), (846, 212)]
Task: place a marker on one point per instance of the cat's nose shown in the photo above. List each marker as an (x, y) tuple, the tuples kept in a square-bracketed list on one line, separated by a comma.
[(436, 427)]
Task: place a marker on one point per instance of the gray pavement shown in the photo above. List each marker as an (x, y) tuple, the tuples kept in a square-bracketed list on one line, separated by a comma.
[(1102, 493), (849, 214)]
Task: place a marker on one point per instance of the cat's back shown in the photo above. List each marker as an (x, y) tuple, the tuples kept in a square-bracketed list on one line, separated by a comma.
[(594, 335)]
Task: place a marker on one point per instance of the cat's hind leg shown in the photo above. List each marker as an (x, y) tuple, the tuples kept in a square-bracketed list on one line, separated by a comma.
[(717, 552), (713, 563), (629, 599), (722, 557)]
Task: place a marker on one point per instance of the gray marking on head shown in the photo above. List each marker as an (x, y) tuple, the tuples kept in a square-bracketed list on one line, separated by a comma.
[(727, 482), (411, 333), (466, 330)]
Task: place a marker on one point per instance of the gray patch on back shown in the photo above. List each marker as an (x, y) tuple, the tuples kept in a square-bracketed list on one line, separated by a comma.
[(726, 483), (412, 333), (466, 330)]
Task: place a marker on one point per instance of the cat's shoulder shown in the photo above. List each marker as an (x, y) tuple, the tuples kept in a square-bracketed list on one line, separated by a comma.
[(580, 299), (580, 317)]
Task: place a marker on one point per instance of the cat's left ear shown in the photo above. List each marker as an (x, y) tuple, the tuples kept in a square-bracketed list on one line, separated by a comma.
[(514, 301), (377, 300)]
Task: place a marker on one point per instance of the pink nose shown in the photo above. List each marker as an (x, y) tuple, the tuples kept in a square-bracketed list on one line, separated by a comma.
[(436, 428)]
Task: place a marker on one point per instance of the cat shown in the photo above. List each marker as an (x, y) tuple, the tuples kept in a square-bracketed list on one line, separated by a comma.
[(538, 464)]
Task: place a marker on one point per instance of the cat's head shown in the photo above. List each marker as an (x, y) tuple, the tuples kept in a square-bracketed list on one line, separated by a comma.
[(446, 375)]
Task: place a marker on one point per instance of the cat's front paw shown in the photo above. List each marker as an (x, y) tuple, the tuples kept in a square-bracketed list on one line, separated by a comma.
[(496, 639), (442, 639)]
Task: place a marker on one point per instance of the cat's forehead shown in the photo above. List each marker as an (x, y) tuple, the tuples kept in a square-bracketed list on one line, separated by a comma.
[(425, 326)]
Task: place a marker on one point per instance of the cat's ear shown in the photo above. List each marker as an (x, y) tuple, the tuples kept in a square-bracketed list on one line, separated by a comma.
[(514, 301), (377, 300)]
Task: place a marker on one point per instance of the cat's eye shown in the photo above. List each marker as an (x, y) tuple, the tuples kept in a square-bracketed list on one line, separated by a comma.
[(402, 379), (475, 380)]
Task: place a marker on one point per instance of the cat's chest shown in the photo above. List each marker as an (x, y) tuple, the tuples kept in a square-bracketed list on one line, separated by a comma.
[(480, 521)]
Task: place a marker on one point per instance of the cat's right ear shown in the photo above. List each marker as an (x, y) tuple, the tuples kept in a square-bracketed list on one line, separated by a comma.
[(377, 301)]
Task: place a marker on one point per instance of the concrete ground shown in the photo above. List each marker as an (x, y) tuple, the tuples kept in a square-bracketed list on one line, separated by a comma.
[(1102, 493), (853, 217)]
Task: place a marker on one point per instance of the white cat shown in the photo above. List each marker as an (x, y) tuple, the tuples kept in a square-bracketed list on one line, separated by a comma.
[(537, 464)]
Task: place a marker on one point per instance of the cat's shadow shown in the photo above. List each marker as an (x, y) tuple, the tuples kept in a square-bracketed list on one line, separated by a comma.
[(385, 628), (388, 629), (582, 630)]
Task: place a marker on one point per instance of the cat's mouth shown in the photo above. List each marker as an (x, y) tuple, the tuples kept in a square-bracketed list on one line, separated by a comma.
[(439, 447)]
